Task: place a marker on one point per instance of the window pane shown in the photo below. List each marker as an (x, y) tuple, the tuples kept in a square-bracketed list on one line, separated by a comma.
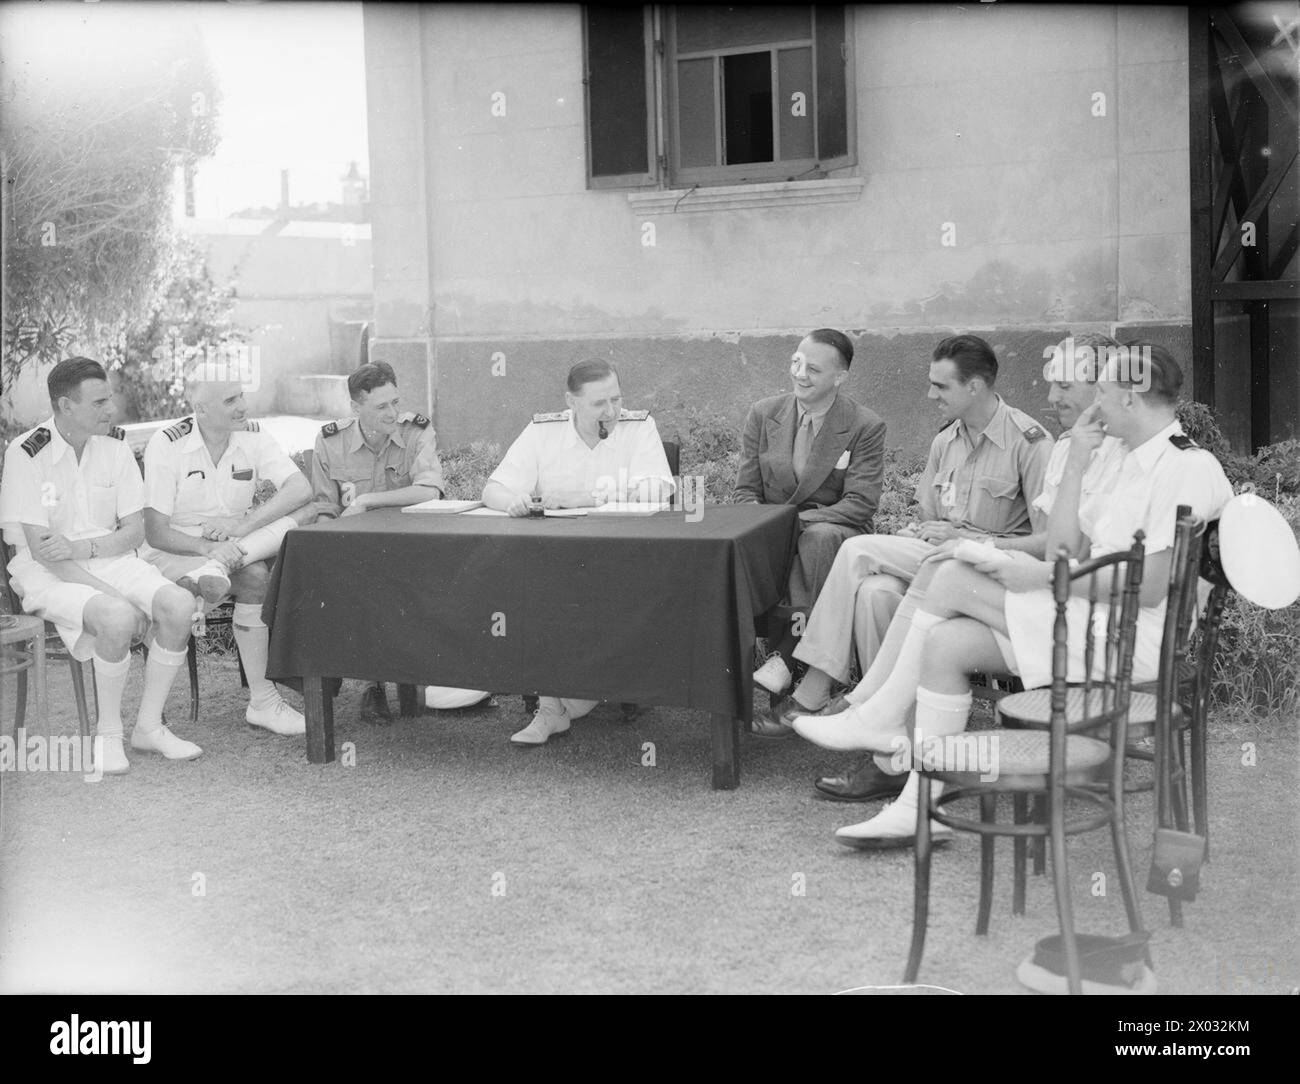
[(747, 108), (795, 103), (696, 113), (832, 101), (718, 26), (616, 91)]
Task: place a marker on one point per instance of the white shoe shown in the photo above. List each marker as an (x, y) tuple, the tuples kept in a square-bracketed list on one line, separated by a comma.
[(165, 743), (893, 826), (774, 675), (545, 724), (279, 718), (851, 732), (209, 581), (446, 698), (112, 757)]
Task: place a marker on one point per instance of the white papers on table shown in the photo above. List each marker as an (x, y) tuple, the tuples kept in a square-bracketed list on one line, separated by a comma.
[(630, 508), (484, 511), (565, 513), (445, 507)]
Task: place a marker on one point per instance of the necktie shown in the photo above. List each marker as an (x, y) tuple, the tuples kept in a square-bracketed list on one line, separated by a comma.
[(802, 446)]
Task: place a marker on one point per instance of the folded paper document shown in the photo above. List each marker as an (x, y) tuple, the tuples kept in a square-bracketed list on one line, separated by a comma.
[(443, 506), (630, 508)]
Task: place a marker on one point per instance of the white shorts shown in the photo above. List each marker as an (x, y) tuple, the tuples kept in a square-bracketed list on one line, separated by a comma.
[(1031, 617), (63, 603)]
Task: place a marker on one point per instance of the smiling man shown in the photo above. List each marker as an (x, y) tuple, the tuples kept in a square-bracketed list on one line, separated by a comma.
[(203, 532), (985, 467), (70, 504), (818, 449), (582, 457)]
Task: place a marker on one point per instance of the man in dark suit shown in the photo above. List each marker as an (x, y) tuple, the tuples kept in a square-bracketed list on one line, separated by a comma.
[(824, 452)]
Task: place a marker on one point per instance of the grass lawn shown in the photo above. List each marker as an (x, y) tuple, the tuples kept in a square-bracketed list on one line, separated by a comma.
[(447, 861)]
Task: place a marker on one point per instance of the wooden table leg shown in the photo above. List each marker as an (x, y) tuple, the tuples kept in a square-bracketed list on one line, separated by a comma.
[(407, 700), (726, 752), (318, 707)]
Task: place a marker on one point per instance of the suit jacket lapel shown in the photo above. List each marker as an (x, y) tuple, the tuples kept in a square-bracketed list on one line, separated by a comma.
[(780, 444), (826, 449)]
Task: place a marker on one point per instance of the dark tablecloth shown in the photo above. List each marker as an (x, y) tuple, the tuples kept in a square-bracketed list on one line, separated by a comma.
[(648, 609)]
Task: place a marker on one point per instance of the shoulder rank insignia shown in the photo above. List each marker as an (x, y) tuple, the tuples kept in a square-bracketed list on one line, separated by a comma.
[(1034, 433), (633, 415), (330, 428), (180, 429), (253, 427), (418, 420), (38, 440), (556, 416), (117, 433), (1179, 440)]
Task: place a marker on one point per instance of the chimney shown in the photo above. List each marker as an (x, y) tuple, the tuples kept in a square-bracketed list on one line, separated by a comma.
[(284, 191)]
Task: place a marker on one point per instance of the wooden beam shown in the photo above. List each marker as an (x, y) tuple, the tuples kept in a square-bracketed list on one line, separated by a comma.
[(1199, 74), (1271, 290), (1246, 58), (1233, 248)]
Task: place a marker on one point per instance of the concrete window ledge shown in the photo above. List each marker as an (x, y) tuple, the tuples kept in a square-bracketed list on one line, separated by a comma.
[(745, 196)]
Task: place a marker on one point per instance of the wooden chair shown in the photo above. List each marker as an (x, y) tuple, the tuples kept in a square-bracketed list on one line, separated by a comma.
[(54, 652), (1161, 710), (1061, 762)]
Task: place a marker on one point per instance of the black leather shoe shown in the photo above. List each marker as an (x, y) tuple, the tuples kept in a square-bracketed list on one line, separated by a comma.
[(863, 782), (374, 706), (774, 721)]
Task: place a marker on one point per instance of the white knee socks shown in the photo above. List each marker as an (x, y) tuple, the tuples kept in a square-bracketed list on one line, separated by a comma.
[(110, 681), (159, 673), (886, 658), (253, 640), (895, 697)]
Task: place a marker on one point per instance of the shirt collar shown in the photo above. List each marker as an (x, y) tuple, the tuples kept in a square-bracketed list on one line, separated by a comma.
[(57, 443), (996, 430), (816, 415), (1147, 454), (193, 440), (356, 440)]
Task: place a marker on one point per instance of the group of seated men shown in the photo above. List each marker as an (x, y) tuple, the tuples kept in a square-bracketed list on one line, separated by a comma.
[(74, 506), (922, 622)]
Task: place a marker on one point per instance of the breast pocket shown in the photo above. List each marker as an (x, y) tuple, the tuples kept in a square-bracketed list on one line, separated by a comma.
[(994, 504), (237, 491), (396, 477), (103, 507)]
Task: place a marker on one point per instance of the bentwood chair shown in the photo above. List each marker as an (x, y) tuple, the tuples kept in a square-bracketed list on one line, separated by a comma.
[(1062, 763), (1161, 710)]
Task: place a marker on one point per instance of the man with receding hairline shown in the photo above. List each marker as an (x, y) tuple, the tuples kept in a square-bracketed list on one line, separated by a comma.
[(818, 449), (203, 532)]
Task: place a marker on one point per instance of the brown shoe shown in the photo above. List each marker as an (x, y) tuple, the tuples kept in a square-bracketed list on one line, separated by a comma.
[(774, 722), (863, 782)]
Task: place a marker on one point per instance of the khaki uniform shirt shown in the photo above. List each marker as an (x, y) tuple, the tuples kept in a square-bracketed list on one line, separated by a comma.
[(343, 466), (986, 481)]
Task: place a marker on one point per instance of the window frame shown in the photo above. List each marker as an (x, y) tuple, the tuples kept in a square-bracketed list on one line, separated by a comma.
[(652, 176)]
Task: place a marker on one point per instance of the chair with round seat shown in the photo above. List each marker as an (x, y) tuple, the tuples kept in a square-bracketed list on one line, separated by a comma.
[(1079, 757)]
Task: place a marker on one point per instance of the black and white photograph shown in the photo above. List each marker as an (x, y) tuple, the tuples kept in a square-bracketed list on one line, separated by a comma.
[(651, 499)]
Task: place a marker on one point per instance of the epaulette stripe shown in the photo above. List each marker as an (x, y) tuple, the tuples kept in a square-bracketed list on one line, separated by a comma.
[(633, 415), (557, 416), (1182, 441), (411, 418), (180, 429), (117, 433), (253, 427), (38, 440), (329, 429)]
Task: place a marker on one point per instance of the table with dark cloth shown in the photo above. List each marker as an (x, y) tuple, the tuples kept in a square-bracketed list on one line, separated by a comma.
[(649, 609)]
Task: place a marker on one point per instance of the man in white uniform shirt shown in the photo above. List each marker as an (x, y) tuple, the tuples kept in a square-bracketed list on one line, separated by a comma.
[(582, 457), (999, 615), (70, 504), (204, 533)]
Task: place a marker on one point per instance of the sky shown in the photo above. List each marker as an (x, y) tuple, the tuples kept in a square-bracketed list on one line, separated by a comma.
[(292, 78)]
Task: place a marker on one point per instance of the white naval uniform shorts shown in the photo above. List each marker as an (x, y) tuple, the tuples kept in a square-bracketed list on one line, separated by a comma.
[(1031, 619), (63, 603)]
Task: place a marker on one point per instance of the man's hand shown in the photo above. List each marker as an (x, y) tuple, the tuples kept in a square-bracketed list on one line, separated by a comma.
[(936, 531), (560, 498), (228, 553), (911, 530), (944, 551), (520, 507), (1021, 573), (219, 528), (1086, 436), (55, 547), (358, 505)]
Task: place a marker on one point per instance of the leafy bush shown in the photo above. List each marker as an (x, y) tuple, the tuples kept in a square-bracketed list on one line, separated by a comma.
[(466, 469)]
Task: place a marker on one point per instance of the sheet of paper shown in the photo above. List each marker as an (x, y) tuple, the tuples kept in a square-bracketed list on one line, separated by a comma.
[(483, 512), (444, 507), (630, 508)]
